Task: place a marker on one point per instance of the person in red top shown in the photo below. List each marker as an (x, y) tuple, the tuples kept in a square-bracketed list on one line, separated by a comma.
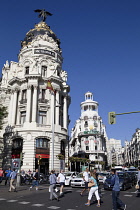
[(1, 174)]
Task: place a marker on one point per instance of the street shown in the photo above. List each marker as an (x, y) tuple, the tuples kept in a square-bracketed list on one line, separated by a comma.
[(25, 199)]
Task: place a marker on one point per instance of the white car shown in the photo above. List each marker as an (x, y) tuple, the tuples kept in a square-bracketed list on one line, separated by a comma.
[(69, 176), (102, 176), (78, 181)]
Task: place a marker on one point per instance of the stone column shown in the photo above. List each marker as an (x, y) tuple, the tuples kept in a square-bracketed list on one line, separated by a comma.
[(65, 114), (57, 109), (11, 108), (14, 107), (28, 108), (34, 110), (18, 113)]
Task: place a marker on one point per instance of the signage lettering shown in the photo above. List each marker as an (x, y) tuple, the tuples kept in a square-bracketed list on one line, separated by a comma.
[(46, 52)]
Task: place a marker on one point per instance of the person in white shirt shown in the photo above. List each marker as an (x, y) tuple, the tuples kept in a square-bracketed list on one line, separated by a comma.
[(86, 180), (61, 180)]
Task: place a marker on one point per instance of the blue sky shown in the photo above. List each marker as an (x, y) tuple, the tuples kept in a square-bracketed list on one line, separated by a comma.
[(100, 40)]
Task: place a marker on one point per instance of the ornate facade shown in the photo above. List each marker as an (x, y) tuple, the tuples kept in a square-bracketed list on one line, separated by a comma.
[(36, 129), (88, 137)]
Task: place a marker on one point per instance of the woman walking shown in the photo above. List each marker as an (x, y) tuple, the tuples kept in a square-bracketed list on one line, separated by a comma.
[(52, 179), (93, 189)]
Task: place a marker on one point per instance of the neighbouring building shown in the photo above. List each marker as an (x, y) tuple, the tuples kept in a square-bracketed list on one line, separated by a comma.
[(88, 137), (132, 150), (36, 94), (114, 152)]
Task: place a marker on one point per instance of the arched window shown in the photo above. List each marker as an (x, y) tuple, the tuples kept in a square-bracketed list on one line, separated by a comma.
[(27, 70), (42, 143), (44, 71)]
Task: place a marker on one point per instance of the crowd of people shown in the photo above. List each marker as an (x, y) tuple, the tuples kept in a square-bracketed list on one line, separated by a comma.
[(90, 179)]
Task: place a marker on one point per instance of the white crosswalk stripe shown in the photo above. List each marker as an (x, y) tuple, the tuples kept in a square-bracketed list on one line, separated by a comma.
[(24, 202), (53, 207), (12, 201), (2, 199), (38, 205)]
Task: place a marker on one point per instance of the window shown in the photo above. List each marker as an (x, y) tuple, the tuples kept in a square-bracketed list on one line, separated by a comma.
[(42, 117), (23, 117), (42, 142), (86, 123), (87, 147), (43, 94), (44, 71), (27, 70), (85, 108), (95, 147), (96, 157), (24, 94), (85, 117)]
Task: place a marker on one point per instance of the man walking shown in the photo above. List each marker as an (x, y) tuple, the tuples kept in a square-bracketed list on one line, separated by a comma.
[(117, 203), (13, 176), (8, 173), (86, 180), (61, 180), (138, 181), (35, 180), (52, 179)]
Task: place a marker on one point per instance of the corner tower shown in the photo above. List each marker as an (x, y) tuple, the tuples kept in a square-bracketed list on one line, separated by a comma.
[(38, 116)]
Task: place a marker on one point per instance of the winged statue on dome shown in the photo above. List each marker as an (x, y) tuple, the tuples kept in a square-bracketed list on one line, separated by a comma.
[(43, 14)]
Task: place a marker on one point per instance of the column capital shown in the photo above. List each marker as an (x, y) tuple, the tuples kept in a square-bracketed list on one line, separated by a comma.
[(29, 87), (35, 87)]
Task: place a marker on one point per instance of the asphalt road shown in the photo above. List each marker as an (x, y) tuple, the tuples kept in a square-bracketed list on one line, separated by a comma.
[(25, 199)]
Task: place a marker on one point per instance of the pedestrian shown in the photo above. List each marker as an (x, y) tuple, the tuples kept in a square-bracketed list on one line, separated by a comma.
[(138, 181), (8, 173), (61, 180), (117, 203), (86, 180), (13, 176), (93, 189), (52, 179), (35, 181), (1, 175)]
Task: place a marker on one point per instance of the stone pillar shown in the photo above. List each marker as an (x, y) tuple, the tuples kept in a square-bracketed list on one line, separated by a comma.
[(65, 113), (18, 113), (34, 110), (11, 108), (14, 107), (28, 108), (57, 109)]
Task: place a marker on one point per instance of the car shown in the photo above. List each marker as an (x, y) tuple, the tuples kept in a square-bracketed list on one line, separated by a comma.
[(69, 176), (78, 181), (124, 179), (102, 176), (133, 177)]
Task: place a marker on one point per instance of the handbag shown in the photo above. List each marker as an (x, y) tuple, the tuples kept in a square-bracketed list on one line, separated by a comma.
[(137, 186), (91, 184)]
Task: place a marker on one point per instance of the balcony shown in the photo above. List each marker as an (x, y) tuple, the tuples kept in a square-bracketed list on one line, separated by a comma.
[(42, 100)]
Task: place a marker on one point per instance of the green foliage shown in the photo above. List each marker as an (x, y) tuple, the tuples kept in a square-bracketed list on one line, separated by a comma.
[(60, 157), (3, 114), (77, 159)]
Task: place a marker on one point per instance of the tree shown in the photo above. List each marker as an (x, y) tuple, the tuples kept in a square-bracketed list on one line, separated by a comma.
[(3, 114)]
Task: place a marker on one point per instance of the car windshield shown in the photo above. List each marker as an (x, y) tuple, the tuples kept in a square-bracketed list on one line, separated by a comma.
[(79, 176), (67, 174), (120, 175)]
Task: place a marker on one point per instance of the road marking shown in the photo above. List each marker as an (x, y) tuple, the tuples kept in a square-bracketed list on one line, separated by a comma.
[(23, 202), (2, 199), (38, 205), (53, 207), (128, 195), (11, 201)]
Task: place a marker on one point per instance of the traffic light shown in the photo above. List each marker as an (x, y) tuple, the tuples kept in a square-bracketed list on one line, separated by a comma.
[(112, 117)]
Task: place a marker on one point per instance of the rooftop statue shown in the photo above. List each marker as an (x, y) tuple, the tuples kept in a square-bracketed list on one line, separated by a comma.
[(43, 14)]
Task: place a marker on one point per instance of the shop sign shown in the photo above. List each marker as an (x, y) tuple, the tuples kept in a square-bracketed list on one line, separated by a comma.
[(42, 156), (91, 132)]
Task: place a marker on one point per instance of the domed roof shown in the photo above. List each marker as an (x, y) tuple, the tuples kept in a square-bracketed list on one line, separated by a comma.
[(40, 29)]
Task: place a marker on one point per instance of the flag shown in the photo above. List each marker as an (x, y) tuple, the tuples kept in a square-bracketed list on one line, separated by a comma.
[(49, 86)]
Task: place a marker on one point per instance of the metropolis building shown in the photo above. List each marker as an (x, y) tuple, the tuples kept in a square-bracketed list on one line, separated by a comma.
[(36, 129), (88, 137)]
